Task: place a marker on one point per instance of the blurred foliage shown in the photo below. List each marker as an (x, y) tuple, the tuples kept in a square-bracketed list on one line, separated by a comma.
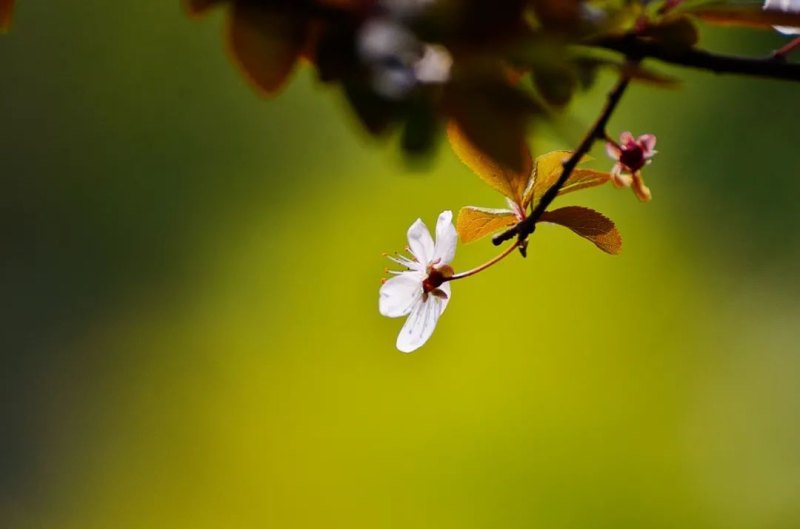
[(6, 11), (493, 68), (189, 335)]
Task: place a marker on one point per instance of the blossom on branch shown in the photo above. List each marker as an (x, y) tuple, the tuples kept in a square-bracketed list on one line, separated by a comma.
[(422, 291), (631, 156)]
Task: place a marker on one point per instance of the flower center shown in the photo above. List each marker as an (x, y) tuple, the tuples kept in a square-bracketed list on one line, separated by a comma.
[(436, 278), (632, 157)]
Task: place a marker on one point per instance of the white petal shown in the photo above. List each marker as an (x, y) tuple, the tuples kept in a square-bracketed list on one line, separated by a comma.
[(404, 261), (398, 295), (626, 139), (420, 242), (788, 6), (648, 143), (786, 30), (612, 151), (446, 238), (621, 179), (435, 65), (782, 5), (421, 322)]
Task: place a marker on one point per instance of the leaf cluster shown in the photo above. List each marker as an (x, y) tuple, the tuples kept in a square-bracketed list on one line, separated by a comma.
[(495, 68), (524, 189)]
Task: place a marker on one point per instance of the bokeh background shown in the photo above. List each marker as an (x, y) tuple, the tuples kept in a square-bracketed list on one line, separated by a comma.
[(189, 333)]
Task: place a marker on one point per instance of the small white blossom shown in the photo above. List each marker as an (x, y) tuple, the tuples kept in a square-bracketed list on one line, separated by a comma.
[(397, 61), (422, 291), (434, 66), (789, 6)]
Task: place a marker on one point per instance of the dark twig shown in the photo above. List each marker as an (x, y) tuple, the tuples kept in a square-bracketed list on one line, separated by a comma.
[(597, 133), (637, 49), (641, 48)]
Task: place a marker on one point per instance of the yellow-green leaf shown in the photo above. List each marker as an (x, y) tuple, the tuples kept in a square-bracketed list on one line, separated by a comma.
[(266, 42), (547, 170), (744, 15), (509, 181), (492, 112), (583, 178), (6, 11), (475, 223), (589, 224)]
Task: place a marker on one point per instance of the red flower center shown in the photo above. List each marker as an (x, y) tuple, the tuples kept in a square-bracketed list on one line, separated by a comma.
[(436, 278), (632, 157)]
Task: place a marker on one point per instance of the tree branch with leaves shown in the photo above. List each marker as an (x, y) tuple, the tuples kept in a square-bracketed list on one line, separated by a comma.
[(487, 73)]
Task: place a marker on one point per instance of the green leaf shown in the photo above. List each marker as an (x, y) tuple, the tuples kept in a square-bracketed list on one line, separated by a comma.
[(266, 42), (752, 16), (506, 179), (589, 224), (475, 223)]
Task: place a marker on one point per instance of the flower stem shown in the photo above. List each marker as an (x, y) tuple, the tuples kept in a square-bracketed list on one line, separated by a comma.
[(786, 50), (485, 265), (611, 140), (525, 227)]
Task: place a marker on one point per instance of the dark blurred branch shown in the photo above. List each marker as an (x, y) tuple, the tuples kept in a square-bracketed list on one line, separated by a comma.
[(596, 133), (638, 48)]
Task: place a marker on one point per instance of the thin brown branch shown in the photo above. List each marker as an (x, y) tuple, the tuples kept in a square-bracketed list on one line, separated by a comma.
[(639, 48), (783, 52), (597, 133)]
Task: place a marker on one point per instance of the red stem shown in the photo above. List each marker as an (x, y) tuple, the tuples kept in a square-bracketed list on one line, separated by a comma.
[(783, 52), (485, 265)]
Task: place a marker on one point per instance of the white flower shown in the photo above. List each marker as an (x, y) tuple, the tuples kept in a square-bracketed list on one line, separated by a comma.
[(397, 61), (434, 66), (421, 292), (789, 6)]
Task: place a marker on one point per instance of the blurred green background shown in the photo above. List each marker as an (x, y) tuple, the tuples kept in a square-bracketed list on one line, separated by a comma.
[(190, 336)]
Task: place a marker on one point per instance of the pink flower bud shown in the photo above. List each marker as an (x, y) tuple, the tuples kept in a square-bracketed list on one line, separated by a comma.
[(631, 155)]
